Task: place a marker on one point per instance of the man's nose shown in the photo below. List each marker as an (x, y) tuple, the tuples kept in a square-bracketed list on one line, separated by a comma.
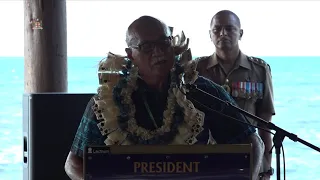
[(158, 50), (223, 32)]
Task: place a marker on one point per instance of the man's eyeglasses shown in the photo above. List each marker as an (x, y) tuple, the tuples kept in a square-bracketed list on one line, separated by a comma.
[(148, 46)]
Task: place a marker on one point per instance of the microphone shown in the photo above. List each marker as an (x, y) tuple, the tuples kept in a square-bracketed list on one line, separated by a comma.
[(278, 136)]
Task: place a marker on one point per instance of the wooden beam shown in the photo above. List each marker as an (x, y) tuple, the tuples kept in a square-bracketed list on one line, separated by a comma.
[(45, 50)]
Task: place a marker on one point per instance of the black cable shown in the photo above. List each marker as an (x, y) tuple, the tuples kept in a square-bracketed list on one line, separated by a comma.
[(284, 163)]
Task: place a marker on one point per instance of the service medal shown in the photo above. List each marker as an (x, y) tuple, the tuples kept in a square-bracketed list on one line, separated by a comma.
[(235, 93)]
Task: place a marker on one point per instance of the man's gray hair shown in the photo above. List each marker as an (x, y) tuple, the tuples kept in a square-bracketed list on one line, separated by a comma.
[(130, 34)]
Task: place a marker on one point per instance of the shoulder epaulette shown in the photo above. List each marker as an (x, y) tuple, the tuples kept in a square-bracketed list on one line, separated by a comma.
[(260, 62), (198, 59)]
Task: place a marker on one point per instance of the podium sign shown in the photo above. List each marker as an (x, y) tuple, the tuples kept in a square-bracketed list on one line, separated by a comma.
[(215, 162)]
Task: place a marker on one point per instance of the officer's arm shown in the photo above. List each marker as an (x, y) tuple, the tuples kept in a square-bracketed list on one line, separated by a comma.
[(265, 106), (265, 110), (87, 134)]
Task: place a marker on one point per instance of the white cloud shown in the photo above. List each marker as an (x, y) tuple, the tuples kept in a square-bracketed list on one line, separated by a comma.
[(288, 28)]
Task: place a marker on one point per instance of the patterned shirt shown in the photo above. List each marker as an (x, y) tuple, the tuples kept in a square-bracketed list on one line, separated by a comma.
[(223, 129)]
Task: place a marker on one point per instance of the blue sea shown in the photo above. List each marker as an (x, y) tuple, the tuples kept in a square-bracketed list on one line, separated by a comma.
[(297, 100)]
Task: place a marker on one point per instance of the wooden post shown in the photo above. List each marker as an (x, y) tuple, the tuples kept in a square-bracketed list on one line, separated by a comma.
[(45, 46)]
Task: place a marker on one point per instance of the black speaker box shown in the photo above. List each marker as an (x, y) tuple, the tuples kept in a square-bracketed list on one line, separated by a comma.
[(50, 121)]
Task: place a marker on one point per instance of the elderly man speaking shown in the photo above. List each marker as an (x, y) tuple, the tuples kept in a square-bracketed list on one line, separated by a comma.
[(146, 104)]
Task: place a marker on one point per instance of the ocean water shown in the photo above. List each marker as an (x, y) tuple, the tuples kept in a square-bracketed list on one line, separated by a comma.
[(297, 100)]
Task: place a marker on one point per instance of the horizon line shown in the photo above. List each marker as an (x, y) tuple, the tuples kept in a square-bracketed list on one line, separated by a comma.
[(192, 56)]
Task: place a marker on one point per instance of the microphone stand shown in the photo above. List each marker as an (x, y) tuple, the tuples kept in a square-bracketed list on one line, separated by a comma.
[(277, 138)]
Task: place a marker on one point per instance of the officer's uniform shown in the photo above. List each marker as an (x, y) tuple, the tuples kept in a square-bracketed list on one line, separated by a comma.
[(249, 82)]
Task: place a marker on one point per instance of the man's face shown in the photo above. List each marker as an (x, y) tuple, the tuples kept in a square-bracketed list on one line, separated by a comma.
[(225, 32), (153, 53)]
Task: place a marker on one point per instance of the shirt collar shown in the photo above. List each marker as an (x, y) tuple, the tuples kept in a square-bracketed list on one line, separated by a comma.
[(242, 61)]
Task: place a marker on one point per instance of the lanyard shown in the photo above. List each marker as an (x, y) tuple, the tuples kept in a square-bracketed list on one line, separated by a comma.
[(149, 111)]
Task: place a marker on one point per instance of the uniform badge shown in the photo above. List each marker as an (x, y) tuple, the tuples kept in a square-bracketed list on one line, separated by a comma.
[(241, 89), (244, 89), (248, 89), (235, 93), (260, 90), (254, 89)]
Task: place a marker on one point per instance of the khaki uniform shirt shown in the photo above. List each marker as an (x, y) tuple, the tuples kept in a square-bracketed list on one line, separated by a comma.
[(249, 82)]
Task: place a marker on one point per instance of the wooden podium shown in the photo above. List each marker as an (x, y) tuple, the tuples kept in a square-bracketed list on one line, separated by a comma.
[(214, 162)]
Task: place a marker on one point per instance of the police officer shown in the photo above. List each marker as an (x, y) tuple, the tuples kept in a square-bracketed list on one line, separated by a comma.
[(247, 79)]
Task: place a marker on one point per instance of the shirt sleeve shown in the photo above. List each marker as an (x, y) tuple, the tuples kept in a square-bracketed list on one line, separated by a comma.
[(266, 105), (223, 129), (88, 132)]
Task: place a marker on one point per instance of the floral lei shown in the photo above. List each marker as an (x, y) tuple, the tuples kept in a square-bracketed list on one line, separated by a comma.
[(115, 109)]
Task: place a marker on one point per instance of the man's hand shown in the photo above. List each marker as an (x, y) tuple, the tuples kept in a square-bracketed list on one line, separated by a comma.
[(266, 174), (258, 149), (267, 140), (74, 167), (265, 177)]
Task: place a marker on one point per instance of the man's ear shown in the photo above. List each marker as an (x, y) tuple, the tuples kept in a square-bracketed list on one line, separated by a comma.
[(241, 34), (129, 53), (210, 34)]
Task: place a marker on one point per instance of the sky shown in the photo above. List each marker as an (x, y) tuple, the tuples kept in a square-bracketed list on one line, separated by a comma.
[(271, 28)]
